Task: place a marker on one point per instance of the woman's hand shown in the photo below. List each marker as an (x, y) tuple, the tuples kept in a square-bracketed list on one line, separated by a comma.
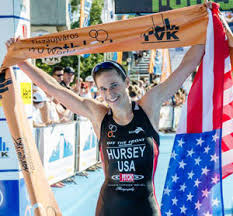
[(208, 4), (11, 41)]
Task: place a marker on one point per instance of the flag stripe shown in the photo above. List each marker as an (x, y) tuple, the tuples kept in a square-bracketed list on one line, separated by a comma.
[(219, 66), (208, 78), (194, 107), (227, 143), (227, 157), (227, 80), (228, 96), (227, 170), (227, 64), (227, 127), (228, 112)]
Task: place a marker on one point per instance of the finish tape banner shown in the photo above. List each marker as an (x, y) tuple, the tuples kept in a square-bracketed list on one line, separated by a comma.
[(176, 28)]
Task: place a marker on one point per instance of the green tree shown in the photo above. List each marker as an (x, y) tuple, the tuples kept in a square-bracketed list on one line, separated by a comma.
[(86, 63)]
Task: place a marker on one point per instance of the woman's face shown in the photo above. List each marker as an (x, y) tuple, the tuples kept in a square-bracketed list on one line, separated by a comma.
[(112, 88)]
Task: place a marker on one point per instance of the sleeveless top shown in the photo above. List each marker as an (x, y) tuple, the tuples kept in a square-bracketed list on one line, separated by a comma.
[(129, 154)]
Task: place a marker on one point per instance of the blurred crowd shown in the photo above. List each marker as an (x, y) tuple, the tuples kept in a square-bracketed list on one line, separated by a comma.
[(47, 110)]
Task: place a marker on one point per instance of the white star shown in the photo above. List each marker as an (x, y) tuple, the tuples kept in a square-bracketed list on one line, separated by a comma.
[(215, 202), (197, 182), (199, 141), (214, 158), (169, 213), (173, 155), (207, 214), (175, 178), (207, 149), (191, 174), (182, 164), (167, 191), (197, 161), (182, 187), (205, 171), (215, 180), (174, 201), (180, 142), (189, 196), (183, 209), (198, 205), (190, 153), (215, 137), (205, 193)]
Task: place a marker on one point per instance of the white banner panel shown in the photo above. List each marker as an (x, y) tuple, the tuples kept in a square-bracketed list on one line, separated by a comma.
[(56, 147), (88, 145)]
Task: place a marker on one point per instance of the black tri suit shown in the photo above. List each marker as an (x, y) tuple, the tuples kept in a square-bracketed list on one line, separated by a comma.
[(129, 154)]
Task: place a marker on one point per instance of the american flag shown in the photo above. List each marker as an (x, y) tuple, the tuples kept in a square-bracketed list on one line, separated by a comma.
[(202, 152)]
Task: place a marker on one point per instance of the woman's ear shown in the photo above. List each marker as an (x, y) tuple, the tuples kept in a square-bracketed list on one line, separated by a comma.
[(127, 81)]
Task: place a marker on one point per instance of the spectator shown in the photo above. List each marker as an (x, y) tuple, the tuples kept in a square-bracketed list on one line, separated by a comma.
[(84, 91), (58, 73), (77, 85), (39, 100), (68, 77), (51, 106), (91, 87), (133, 92)]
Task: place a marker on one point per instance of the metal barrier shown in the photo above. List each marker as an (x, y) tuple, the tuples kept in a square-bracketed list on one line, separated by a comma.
[(66, 149)]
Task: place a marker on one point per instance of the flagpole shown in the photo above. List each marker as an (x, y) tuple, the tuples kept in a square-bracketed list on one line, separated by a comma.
[(81, 21)]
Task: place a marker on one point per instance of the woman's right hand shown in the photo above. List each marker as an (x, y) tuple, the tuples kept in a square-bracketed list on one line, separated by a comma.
[(11, 41)]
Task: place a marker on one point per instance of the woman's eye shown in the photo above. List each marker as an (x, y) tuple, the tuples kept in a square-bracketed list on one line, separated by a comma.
[(102, 89), (114, 86)]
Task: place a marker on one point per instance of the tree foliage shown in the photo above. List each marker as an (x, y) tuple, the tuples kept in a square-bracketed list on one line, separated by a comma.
[(88, 63)]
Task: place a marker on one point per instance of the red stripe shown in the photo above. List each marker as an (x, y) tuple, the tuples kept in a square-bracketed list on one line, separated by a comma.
[(155, 159), (228, 83), (228, 112), (227, 170), (220, 48), (227, 142), (102, 159), (194, 104)]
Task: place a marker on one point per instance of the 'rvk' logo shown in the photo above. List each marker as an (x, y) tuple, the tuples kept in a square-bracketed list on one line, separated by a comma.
[(165, 33), (3, 149), (127, 177)]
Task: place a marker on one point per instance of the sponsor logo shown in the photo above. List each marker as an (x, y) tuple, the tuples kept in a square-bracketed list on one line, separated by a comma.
[(1, 198), (4, 150), (164, 33), (100, 35), (24, 155), (127, 177), (113, 129), (137, 130)]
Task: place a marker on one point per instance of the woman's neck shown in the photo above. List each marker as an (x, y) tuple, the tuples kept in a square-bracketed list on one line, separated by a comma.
[(124, 115)]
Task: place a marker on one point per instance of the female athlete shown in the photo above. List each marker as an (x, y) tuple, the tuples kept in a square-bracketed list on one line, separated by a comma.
[(127, 131)]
